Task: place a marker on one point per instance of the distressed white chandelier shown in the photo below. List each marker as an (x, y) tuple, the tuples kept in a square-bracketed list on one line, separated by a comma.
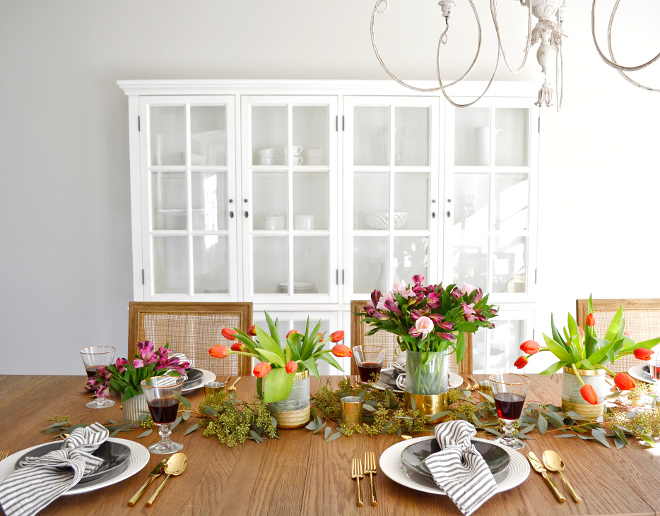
[(548, 32)]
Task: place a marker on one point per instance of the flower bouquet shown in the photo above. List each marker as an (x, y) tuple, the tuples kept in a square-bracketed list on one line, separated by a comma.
[(429, 322), (124, 377), (278, 363), (579, 350)]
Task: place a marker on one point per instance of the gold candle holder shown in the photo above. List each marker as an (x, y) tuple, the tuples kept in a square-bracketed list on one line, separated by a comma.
[(213, 388), (351, 410), (427, 404)]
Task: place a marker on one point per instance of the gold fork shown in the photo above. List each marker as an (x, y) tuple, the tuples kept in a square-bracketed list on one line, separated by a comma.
[(232, 387), (370, 467), (356, 472), (4, 454)]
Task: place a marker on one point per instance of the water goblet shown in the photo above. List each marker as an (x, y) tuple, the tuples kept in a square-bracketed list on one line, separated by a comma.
[(163, 394), (93, 358), (369, 362), (510, 391)]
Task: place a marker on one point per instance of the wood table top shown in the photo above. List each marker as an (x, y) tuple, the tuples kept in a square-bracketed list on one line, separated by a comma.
[(301, 473)]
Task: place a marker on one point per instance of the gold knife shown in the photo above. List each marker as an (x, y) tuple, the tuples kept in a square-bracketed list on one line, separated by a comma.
[(160, 467), (538, 466)]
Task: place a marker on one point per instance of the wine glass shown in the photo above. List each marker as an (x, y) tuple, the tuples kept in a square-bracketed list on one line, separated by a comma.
[(93, 358), (163, 394), (509, 391), (369, 362)]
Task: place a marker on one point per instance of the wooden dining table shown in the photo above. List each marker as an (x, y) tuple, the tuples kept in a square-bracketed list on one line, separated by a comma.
[(301, 473)]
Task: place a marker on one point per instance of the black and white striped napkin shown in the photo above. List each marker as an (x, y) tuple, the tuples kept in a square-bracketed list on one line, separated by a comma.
[(459, 468), (43, 479)]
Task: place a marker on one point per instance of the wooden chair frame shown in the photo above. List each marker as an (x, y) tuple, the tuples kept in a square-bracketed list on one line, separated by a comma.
[(138, 308)]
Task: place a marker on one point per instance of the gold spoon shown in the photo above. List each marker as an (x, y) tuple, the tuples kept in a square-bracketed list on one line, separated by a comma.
[(553, 462), (176, 465)]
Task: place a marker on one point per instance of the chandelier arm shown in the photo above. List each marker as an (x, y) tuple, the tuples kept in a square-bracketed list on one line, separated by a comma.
[(493, 12), (613, 63), (393, 76)]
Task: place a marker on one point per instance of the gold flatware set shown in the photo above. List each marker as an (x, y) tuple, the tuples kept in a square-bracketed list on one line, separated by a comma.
[(552, 462), (173, 466), (358, 472)]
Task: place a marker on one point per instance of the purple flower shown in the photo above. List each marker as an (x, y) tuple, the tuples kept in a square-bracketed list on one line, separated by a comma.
[(137, 363), (393, 307), (164, 351), (146, 345), (478, 295), (381, 316), (445, 336), (102, 392), (375, 297), (446, 325), (92, 384), (432, 300), (470, 314), (119, 365), (417, 279)]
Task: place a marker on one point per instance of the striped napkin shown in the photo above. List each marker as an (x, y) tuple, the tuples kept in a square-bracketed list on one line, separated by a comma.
[(43, 479), (459, 468)]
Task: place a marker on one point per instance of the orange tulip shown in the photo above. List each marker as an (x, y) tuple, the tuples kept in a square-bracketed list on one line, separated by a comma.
[(337, 336), (530, 347), (261, 369), (591, 320), (624, 382), (290, 332), (339, 350), (237, 346), (520, 363), (252, 331), (228, 333), (219, 351), (589, 394), (643, 354), (291, 367)]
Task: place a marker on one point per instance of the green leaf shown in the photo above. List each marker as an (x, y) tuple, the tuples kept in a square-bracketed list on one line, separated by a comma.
[(273, 358), (114, 433), (599, 435), (145, 433), (554, 367), (615, 330), (176, 423), (543, 424), (310, 364), (574, 416), (186, 402), (255, 436), (486, 396), (268, 343), (327, 432), (565, 435), (321, 427), (557, 350), (334, 436), (618, 443), (277, 385), (311, 425), (191, 429)]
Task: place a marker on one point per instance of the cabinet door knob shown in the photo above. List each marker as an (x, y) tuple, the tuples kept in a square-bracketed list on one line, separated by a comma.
[(246, 214), (448, 214), (231, 214)]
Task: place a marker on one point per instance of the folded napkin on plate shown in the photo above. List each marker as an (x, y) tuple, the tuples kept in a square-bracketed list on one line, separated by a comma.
[(43, 479), (459, 468)]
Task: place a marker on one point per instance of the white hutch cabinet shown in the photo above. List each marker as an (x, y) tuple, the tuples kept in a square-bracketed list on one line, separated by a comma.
[(301, 196)]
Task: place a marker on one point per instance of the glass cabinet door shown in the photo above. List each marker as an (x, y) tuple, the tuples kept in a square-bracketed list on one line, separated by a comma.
[(490, 186), (188, 171), (289, 211), (391, 149)]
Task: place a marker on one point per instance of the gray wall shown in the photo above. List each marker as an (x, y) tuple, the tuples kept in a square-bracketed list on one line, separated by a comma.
[(65, 252)]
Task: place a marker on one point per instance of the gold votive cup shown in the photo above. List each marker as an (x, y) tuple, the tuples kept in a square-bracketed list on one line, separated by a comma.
[(427, 404), (213, 387), (351, 410)]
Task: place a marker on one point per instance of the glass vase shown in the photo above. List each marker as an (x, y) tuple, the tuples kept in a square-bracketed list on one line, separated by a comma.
[(427, 372)]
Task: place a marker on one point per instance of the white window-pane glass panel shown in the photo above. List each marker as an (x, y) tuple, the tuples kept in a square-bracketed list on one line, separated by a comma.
[(411, 201), (167, 135), (370, 264), (411, 256), (372, 135), (471, 194), (479, 351), (168, 200), (211, 264), (270, 270), (371, 205), (411, 136), (208, 140), (310, 131), (511, 202), (472, 138), (505, 340), (270, 200), (170, 267), (269, 133), (509, 264), (311, 200), (470, 259), (511, 137), (310, 264), (209, 201)]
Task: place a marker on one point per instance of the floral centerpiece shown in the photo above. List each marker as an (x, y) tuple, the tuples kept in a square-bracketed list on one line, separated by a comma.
[(429, 322), (583, 355), (124, 377), (279, 362)]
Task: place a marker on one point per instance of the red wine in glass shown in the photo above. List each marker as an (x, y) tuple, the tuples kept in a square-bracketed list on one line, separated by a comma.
[(163, 410), (91, 371), (509, 406), (369, 371), (654, 370)]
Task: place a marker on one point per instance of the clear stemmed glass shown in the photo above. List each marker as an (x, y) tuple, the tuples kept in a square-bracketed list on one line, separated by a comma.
[(93, 358), (369, 362), (510, 391), (163, 394)]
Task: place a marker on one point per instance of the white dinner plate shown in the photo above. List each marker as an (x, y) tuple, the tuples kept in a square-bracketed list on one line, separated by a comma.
[(454, 381), (391, 466), (207, 376), (136, 462), (638, 373)]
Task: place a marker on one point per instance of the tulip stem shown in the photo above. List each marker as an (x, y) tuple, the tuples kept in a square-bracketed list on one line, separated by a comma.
[(576, 373), (598, 366)]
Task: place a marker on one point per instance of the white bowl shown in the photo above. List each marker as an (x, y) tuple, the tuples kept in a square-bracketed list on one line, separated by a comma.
[(381, 219)]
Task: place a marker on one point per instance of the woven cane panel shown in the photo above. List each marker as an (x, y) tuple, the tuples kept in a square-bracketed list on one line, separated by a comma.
[(192, 334), (640, 324)]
